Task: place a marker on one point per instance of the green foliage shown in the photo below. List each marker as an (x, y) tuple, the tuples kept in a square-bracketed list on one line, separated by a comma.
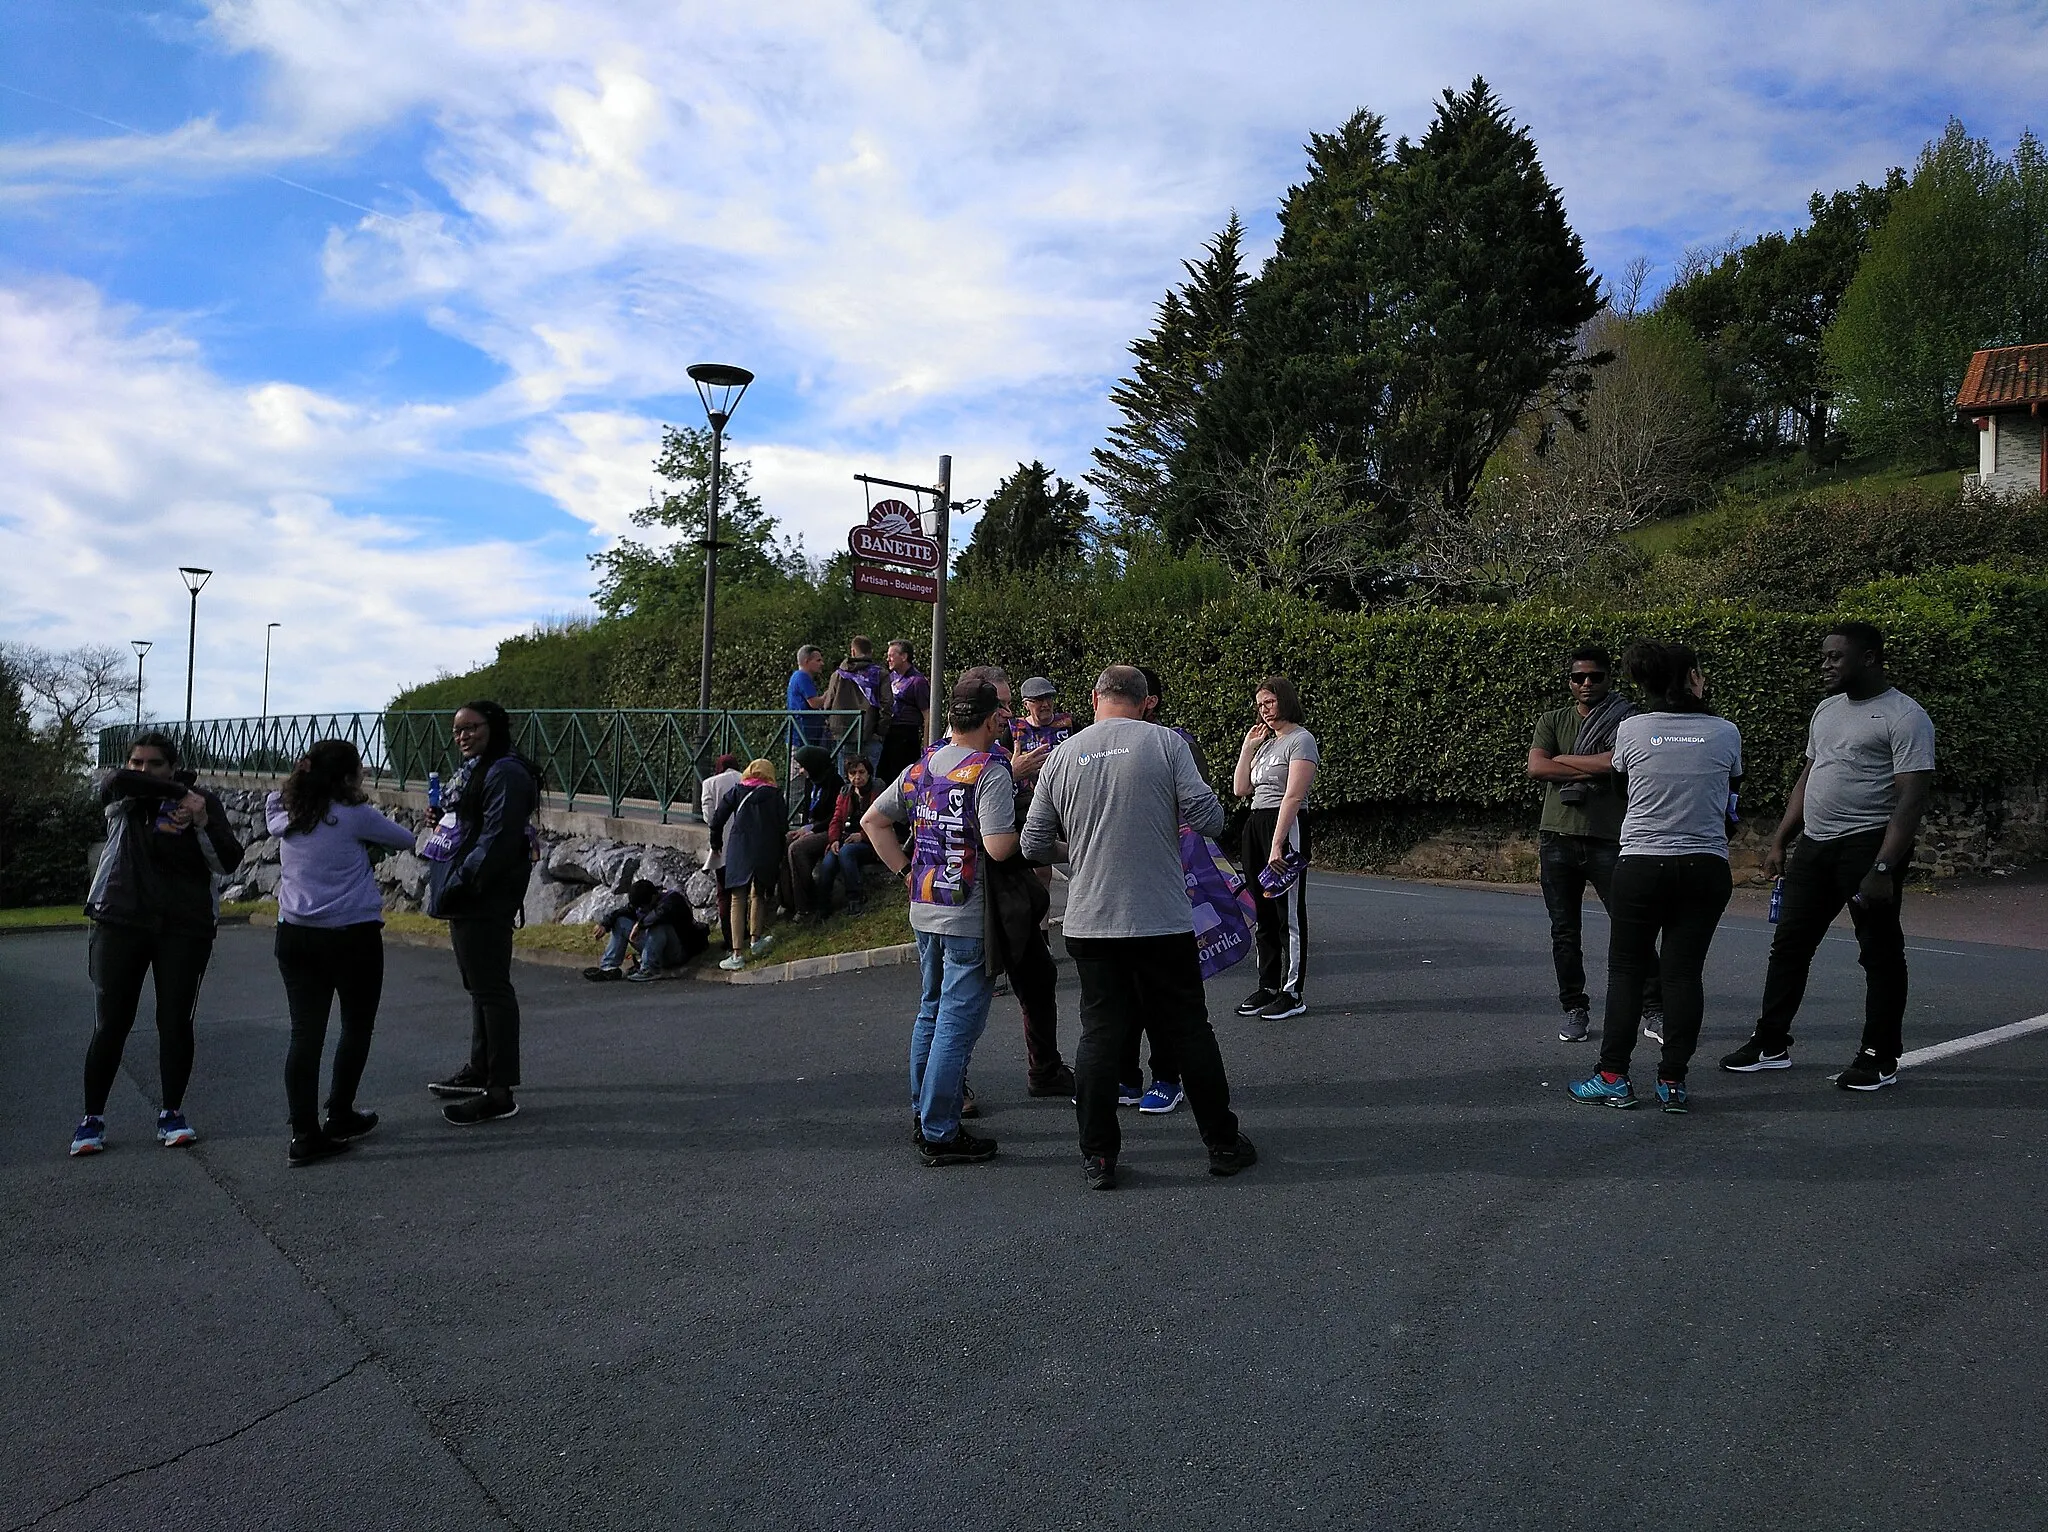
[(1800, 554), (1762, 309), (567, 665), (636, 578), (1960, 263), (1030, 523), (48, 818)]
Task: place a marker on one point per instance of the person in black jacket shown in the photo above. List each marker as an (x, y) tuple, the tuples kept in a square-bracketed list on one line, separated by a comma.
[(480, 857), (155, 908)]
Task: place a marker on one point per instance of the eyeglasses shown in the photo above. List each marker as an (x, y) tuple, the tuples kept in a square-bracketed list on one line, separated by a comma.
[(1586, 677), (472, 728)]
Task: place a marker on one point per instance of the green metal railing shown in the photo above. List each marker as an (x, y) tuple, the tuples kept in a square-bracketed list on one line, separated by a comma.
[(630, 759)]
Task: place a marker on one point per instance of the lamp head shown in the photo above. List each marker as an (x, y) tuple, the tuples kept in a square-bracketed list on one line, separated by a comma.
[(720, 387), (195, 579), (141, 646)]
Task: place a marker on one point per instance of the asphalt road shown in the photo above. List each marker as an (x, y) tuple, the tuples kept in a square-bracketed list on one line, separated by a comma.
[(701, 1281)]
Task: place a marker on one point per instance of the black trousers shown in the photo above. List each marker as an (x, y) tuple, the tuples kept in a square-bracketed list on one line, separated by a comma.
[(1279, 925), (119, 958), (1156, 980), (483, 952), (800, 871), (1565, 865), (1662, 912), (1820, 877), (317, 964), (1034, 979), (903, 744)]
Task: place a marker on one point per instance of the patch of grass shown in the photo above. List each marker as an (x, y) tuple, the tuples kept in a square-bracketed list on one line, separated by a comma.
[(32, 915), (885, 923)]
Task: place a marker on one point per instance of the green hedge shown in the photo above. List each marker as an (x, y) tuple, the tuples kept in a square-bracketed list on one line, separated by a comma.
[(1418, 709)]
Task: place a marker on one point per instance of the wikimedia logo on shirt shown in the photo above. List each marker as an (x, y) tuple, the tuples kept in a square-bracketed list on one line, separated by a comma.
[(1678, 739), (1099, 755)]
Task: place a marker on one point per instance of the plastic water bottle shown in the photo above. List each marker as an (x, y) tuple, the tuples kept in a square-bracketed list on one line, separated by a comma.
[(434, 798), (1777, 899)]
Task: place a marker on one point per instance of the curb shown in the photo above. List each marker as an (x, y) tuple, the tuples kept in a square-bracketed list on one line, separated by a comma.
[(817, 967), (86, 925)]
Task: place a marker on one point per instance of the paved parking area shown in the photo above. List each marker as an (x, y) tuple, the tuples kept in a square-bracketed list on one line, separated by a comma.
[(701, 1281)]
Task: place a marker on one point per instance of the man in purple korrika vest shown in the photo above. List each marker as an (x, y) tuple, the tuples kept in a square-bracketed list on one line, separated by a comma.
[(960, 803)]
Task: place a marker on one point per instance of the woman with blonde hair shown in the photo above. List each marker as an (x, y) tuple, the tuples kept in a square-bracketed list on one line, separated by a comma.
[(750, 828)]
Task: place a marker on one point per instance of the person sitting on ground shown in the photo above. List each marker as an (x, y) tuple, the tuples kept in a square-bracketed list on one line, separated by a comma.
[(656, 924), (847, 852), (749, 827), (817, 778)]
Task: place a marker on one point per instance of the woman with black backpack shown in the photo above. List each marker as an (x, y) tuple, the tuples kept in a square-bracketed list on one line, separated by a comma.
[(480, 857)]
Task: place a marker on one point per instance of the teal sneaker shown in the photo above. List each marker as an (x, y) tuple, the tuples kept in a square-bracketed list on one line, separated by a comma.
[(1597, 1090), (1671, 1095)]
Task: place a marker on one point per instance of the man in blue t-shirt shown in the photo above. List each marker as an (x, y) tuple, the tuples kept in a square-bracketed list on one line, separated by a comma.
[(805, 695)]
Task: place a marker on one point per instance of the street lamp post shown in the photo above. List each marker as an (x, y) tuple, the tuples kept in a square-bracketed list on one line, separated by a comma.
[(720, 387), (195, 582), (141, 646), (268, 629)]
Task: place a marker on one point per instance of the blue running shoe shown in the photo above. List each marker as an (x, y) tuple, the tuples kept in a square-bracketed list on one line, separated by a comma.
[(91, 1136), (1597, 1090), (1163, 1097), (173, 1132), (1671, 1095), (1129, 1095)]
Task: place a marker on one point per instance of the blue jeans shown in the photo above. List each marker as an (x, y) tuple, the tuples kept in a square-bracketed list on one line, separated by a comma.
[(655, 944), (848, 862), (950, 1018)]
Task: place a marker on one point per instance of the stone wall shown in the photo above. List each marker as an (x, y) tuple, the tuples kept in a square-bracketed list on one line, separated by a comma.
[(579, 878)]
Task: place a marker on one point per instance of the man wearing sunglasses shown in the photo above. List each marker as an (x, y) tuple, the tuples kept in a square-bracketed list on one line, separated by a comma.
[(1579, 836)]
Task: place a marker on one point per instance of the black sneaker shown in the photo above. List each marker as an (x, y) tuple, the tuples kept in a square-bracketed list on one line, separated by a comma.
[(466, 1081), (1101, 1173), (1576, 1024), (1059, 1083), (963, 1148), (1239, 1156), (1869, 1072), (1750, 1058), (1282, 1006), (484, 1106), (312, 1148), (602, 975), (1256, 1002), (1653, 1026), (350, 1124)]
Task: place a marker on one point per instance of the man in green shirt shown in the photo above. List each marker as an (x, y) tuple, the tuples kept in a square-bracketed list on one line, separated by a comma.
[(1579, 837)]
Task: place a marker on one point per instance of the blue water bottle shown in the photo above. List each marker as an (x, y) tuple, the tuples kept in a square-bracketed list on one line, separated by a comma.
[(1777, 899), (434, 800)]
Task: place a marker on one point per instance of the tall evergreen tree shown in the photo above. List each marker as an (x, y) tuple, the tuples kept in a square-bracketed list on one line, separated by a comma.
[(1031, 522), (1140, 473), (645, 579), (1488, 290)]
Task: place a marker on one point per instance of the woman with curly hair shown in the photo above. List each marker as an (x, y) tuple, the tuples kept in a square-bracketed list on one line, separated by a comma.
[(330, 937)]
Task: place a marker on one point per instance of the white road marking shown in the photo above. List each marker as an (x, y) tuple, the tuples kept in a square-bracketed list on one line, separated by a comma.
[(1974, 1040), (1354, 888)]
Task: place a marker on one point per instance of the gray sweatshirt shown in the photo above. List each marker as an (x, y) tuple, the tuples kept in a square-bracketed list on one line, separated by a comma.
[(1118, 793)]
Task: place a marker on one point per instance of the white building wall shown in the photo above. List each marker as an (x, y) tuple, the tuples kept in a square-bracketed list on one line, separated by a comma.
[(2015, 454)]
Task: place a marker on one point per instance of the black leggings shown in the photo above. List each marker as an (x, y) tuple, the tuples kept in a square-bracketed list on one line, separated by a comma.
[(1280, 925), (118, 958), (1677, 898), (483, 952), (317, 963)]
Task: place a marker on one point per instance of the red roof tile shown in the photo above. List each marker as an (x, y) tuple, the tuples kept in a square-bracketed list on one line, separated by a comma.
[(2008, 375)]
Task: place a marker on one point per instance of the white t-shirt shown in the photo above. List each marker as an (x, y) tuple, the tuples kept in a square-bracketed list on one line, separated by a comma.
[(1678, 768), (1857, 748)]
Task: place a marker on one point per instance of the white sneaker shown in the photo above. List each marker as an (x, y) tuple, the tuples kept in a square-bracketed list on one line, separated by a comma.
[(761, 946), (734, 963)]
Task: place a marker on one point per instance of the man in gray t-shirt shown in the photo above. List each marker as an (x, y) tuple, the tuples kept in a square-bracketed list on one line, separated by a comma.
[(1847, 837), (960, 805), (1111, 801)]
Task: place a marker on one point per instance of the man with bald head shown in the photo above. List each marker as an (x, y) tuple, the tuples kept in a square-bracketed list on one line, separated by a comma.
[(1111, 801)]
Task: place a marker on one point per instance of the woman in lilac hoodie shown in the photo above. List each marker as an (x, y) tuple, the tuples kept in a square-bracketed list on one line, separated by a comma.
[(330, 937)]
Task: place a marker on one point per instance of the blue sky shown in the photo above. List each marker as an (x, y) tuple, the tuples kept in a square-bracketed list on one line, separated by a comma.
[(377, 307)]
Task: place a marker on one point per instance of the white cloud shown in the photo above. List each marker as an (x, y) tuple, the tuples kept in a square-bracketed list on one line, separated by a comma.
[(125, 457)]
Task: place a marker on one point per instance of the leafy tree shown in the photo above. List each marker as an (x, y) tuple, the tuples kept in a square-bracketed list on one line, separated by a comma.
[(1960, 263), (1031, 522), (667, 578), (1141, 471), (1287, 522), (72, 692), (47, 819), (1761, 309), (1489, 288)]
